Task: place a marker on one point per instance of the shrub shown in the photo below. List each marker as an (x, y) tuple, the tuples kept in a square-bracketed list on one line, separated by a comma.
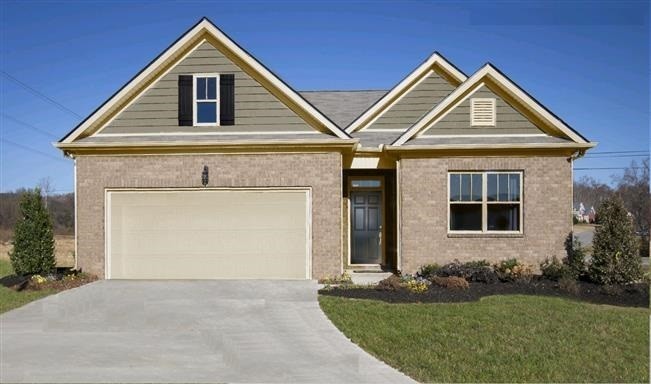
[(575, 259), (612, 290), (428, 270), (344, 278), (417, 286), (451, 282), (391, 283), (33, 243), (513, 270), (554, 269), (475, 271), (615, 255), (568, 285)]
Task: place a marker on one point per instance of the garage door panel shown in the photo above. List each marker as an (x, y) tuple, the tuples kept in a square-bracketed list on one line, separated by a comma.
[(209, 234)]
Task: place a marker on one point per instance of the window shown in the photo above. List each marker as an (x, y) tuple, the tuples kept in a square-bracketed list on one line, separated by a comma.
[(482, 112), (485, 201), (206, 105), (366, 183)]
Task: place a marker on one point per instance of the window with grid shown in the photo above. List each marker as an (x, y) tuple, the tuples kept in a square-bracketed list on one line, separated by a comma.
[(485, 201)]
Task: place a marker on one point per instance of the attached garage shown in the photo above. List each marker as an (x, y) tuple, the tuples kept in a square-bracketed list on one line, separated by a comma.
[(208, 234)]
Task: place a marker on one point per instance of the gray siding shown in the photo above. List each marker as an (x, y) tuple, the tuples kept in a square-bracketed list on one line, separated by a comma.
[(420, 100), (508, 120), (256, 109)]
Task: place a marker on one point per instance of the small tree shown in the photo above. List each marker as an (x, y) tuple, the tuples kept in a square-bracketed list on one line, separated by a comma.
[(575, 259), (33, 250), (615, 257)]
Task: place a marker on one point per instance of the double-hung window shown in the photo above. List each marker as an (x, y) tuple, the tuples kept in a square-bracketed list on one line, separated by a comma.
[(485, 202), (206, 103)]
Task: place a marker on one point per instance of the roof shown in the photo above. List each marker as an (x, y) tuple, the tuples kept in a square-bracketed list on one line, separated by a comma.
[(343, 106)]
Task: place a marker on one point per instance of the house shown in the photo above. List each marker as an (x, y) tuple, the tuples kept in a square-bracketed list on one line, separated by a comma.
[(208, 165)]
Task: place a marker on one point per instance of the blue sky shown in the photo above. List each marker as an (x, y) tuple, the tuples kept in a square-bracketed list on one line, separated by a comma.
[(587, 61)]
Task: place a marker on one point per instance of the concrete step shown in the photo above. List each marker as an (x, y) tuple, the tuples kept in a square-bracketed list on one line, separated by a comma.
[(368, 278)]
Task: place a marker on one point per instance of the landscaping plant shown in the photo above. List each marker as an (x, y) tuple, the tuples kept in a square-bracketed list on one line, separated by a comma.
[(615, 255), (514, 271), (33, 243), (450, 282), (575, 259), (554, 269), (473, 271)]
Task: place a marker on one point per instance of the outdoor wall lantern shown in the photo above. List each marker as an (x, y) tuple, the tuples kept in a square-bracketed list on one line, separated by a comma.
[(204, 176)]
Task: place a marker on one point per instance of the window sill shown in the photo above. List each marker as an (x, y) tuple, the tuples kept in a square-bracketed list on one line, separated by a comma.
[(489, 235)]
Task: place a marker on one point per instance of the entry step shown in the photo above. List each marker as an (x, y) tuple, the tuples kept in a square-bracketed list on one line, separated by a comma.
[(368, 277)]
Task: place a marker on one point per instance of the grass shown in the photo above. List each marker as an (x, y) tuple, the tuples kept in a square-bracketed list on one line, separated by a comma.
[(500, 339), (10, 299)]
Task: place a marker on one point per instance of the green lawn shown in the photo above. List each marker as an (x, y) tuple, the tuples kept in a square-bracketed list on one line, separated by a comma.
[(10, 299), (500, 339)]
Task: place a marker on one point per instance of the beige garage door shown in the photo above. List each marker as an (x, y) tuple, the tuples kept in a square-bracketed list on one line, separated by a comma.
[(208, 234)]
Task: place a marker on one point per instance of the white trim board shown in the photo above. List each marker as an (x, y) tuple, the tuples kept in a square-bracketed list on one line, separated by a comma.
[(186, 133)]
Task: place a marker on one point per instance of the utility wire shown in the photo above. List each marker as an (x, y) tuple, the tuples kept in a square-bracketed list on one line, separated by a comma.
[(617, 152), (611, 156), (15, 120), (41, 95), (17, 145), (598, 168)]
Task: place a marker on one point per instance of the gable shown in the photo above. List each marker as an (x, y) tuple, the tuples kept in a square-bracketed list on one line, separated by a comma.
[(508, 120), (156, 110), (512, 95), (432, 80), (206, 31), (416, 102)]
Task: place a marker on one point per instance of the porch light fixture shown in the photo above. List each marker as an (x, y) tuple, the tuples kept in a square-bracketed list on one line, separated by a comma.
[(204, 176)]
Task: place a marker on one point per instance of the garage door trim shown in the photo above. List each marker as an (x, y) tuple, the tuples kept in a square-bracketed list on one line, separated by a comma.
[(107, 215)]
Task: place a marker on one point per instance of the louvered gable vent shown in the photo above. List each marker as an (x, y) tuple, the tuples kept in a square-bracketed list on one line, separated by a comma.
[(482, 112)]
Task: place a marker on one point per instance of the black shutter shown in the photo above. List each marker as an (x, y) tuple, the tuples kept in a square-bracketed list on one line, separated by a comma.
[(227, 99), (185, 100)]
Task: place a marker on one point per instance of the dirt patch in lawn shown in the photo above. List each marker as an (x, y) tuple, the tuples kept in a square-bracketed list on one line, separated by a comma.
[(635, 295)]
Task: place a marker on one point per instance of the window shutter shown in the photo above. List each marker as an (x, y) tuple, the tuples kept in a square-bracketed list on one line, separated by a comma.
[(185, 100), (482, 112), (227, 99)]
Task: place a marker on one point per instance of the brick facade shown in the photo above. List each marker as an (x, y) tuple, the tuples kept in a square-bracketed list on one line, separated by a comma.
[(320, 171), (547, 199)]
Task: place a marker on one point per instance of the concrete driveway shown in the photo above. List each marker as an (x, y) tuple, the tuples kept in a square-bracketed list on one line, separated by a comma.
[(182, 331)]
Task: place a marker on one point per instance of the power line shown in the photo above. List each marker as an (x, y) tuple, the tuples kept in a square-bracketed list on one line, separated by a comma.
[(43, 132), (617, 152), (41, 95), (599, 168), (32, 150), (612, 156)]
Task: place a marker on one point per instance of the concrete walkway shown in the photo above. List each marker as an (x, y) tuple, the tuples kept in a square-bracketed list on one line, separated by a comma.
[(182, 331)]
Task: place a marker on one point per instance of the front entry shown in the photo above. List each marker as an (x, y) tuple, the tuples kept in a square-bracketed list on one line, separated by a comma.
[(366, 228)]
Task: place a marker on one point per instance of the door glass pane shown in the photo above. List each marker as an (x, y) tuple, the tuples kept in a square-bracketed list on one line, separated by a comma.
[(503, 217), (491, 187), (455, 189), (201, 88), (368, 183), (465, 187), (212, 88), (476, 187), (359, 219), (514, 187), (465, 217), (207, 112), (503, 187), (373, 219)]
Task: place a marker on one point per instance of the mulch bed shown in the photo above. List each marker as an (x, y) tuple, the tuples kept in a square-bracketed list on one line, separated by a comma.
[(60, 281), (635, 295)]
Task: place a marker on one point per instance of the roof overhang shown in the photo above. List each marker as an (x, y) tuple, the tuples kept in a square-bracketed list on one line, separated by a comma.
[(511, 149), (190, 147)]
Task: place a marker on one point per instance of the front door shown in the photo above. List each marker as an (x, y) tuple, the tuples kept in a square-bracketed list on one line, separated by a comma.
[(366, 228)]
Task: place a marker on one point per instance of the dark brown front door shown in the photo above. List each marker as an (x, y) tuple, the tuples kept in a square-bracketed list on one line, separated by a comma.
[(366, 228)]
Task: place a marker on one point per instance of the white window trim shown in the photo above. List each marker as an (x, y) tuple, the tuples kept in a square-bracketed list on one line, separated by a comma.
[(493, 121), (194, 100), (484, 204)]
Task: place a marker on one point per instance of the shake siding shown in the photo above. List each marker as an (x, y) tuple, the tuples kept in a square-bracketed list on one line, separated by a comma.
[(508, 120), (420, 100), (256, 109)]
